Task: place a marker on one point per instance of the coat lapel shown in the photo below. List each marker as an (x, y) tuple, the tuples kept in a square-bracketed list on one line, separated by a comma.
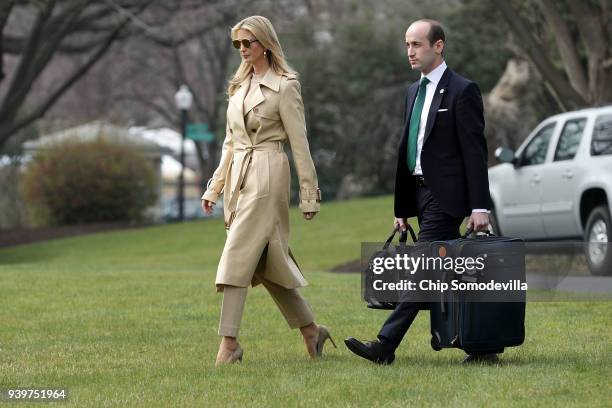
[(237, 100), (412, 94), (412, 91), (253, 99), (270, 80), (436, 101)]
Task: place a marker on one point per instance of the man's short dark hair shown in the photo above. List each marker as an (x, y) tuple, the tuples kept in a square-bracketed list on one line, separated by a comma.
[(436, 32)]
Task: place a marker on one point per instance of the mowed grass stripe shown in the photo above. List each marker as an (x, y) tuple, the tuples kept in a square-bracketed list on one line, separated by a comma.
[(129, 318)]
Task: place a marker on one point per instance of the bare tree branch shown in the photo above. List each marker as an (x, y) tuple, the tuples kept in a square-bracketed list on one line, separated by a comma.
[(54, 29), (597, 43), (6, 130), (14, 45), (567, 48), (33, 42), (567, 95), (40, 50), (5, 11), (149, 103)]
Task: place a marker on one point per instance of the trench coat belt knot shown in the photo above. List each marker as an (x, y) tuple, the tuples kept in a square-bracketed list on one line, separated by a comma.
[(246, 163)]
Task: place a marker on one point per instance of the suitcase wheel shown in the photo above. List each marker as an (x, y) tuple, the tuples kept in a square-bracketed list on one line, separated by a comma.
[(435, 342)]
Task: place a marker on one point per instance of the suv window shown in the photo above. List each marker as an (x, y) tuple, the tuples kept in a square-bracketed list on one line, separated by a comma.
[(602, 135), (569, 140), (535, 152)]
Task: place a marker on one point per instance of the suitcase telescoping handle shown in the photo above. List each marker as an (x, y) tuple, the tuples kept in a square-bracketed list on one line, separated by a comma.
[(443, 307), (403, 235)]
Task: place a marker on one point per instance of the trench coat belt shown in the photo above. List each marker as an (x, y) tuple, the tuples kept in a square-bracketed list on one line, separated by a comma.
[(246, 163)]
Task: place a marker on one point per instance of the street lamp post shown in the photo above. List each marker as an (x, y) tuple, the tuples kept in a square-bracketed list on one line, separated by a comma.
[(183, 99)]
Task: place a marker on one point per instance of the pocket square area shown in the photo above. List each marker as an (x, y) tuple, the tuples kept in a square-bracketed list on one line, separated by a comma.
[(442, 110)]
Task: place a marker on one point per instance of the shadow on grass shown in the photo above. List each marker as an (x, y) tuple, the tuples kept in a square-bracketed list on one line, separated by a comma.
[(29, 253), (452, 360)]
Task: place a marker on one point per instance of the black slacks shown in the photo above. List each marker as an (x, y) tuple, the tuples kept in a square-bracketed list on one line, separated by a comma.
[(434, 225)]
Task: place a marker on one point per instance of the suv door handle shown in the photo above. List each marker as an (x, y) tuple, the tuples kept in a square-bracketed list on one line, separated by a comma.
[(567, 174), (535, 179)]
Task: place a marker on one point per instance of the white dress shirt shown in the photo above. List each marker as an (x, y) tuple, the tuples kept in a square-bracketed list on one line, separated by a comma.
[(434, 77)]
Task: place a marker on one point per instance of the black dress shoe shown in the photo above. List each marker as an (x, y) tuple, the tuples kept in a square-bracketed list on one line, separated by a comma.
[(375, 304), (489, 358), (370, 350)]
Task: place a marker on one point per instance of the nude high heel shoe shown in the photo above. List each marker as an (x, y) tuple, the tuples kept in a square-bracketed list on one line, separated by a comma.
[(323, 335), (235, 356)]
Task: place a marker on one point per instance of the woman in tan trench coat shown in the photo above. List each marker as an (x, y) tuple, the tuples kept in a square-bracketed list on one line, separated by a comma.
[(265, 110)]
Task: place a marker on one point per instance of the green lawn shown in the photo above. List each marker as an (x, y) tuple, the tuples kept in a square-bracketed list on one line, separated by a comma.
[(129, 319)]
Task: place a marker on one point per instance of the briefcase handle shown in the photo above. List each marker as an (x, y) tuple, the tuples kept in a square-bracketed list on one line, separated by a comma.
[(403, 236), (470, 231)]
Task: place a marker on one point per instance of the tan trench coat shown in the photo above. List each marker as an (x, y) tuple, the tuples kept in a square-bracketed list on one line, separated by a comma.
[(254, 177)]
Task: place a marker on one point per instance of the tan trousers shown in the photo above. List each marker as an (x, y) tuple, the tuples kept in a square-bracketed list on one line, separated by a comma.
[(290, 302)]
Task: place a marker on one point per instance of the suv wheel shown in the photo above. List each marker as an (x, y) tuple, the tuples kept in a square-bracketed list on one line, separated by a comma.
[(597, 237)]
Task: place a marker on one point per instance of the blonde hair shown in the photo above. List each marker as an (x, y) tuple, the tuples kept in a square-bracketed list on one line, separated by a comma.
[(264, 32)]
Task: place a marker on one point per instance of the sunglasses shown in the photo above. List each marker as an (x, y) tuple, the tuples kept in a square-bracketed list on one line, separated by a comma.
[(247, 43)]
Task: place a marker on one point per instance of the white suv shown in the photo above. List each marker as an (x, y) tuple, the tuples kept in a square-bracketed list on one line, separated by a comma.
[(558, 185)]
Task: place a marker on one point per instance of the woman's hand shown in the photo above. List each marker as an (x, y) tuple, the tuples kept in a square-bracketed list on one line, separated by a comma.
[(207, 206), (309, 215)]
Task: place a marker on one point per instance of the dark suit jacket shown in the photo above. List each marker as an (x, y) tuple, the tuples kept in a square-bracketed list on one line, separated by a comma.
[(454, 153)]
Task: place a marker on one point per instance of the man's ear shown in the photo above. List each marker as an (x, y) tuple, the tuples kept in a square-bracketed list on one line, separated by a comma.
[(439, 46)]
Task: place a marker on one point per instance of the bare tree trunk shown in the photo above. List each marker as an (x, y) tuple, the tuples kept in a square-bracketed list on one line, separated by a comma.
[(584, 86), (5, 11), (567, 48), (597, 41), (567, 96), (508, 120)]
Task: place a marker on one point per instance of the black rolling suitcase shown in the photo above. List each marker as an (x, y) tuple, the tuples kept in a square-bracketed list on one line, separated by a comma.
[(477, 324)]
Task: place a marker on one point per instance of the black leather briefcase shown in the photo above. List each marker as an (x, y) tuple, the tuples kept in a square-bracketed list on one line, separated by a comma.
[(388, 250)]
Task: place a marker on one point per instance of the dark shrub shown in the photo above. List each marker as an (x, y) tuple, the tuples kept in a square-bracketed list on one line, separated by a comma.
[(83, 182)]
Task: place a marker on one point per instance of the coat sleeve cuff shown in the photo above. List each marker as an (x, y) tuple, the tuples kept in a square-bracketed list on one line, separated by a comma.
[(211, 196), (310, 194), (310, 206), (310, 199)]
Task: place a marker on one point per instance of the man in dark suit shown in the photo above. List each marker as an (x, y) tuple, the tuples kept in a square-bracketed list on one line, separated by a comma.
[(441, 172)]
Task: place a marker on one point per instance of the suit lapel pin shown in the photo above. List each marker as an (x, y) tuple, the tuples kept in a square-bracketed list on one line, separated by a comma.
[(442, 90)]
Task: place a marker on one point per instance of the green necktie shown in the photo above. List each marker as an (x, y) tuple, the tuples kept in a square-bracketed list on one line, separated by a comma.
[(415, 118)]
